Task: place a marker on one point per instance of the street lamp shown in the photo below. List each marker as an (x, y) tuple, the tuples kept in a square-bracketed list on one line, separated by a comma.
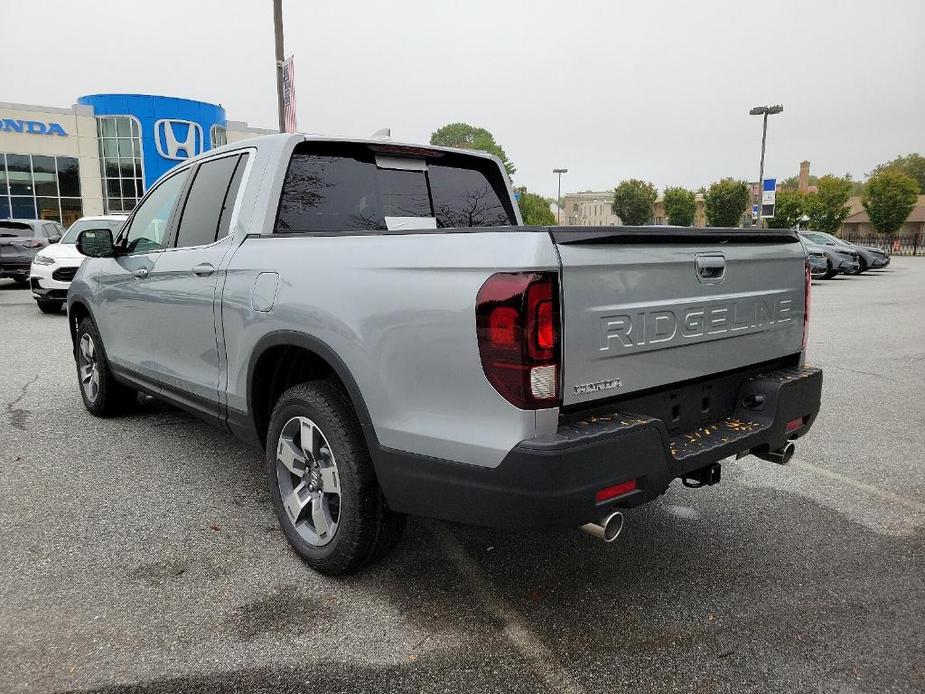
[(559, 195), (763, 111)]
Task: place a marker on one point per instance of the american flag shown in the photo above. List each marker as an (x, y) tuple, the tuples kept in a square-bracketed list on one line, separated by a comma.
[(289, 95)]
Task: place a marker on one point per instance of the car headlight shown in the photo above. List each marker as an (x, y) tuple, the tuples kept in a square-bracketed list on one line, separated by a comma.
[(43, 260)]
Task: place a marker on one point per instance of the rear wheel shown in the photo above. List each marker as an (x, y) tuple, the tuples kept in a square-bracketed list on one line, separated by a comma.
[(103, 396), (50, 305), (322, 482)]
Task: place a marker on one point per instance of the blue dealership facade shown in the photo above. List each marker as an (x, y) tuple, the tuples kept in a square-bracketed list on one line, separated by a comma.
[(103, 153)]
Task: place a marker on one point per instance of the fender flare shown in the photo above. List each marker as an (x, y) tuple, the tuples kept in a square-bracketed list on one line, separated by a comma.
[(294, 338)]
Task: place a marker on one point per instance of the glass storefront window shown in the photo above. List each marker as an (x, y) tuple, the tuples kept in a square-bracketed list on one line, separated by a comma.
[(19, 174), (45, 176), (40, 187), (22, 207), (218, 135), (120, 161), (68, 177)]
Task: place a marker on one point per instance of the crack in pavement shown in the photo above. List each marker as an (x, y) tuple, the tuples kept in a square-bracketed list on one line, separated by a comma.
[(16, 415)]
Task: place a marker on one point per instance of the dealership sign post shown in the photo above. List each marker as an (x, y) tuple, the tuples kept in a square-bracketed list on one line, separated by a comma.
[(768, 196)]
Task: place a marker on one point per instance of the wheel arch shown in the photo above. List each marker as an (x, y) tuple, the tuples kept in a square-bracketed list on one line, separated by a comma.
[(76, 312), (281, 359)]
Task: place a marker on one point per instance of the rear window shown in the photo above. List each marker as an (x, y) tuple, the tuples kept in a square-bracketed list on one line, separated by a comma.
[(14, 229), (338, 188)]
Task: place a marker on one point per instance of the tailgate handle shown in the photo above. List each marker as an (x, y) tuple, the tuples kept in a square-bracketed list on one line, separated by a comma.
[(710, 269)]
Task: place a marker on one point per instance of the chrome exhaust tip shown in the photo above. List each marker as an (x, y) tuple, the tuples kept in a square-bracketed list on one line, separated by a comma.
[(607, 529), (781, 456)]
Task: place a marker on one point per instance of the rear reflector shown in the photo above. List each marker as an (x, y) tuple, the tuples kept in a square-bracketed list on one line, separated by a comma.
[(616, 490), (793, 425)]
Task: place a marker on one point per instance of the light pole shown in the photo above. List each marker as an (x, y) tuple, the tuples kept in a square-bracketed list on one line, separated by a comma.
[(559, 196), (278, 34), (763, 111)]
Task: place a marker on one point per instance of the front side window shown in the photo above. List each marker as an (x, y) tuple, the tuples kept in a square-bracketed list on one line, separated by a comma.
[(83, 224), (147, 231), (206, 202), (333, 188)]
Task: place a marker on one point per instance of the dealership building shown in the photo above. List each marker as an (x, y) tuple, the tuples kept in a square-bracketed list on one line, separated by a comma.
[(100, 155)]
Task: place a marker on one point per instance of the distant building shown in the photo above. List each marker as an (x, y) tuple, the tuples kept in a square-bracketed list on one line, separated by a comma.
[(659, 216), (858, 225), (589, 209)]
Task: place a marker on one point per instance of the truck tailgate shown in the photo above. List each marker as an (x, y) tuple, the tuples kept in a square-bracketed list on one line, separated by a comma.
[(643, 308)]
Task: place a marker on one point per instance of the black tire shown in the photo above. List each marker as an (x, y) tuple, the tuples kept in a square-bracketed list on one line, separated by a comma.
[(831, 272), (50, 305), (111, 398), (864, 267), (366, 529), (21, 282)]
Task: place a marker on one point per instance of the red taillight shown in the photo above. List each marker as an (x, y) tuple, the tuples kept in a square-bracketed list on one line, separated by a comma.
[(808, 283), (517, 323), (614, 491), (793, 425)]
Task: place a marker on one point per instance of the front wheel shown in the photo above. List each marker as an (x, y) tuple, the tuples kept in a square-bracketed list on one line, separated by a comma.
[(831, 272), (50, 305), (322, 482)]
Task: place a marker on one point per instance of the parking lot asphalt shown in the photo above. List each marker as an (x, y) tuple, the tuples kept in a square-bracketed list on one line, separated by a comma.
[(141, 554)]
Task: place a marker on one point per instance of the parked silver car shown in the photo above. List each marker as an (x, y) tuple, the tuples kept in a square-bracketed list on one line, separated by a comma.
[(375, 317)]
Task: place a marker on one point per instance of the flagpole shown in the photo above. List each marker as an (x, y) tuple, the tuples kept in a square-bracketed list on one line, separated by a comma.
[(278, 32)]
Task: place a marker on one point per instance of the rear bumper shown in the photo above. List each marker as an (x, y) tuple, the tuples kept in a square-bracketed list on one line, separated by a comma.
[(553, 480), (15, 269)]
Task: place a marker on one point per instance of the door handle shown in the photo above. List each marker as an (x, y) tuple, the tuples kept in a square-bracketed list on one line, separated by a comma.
[(204, 269), (141, 273)]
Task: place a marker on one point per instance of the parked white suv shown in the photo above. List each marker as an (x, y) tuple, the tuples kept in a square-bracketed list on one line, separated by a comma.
[(54, 266)]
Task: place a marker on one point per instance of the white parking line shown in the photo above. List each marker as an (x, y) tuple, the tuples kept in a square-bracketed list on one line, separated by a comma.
[(541, 660), (863, 486)]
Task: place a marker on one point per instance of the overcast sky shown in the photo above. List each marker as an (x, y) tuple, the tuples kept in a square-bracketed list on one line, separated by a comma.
[(650, 89)]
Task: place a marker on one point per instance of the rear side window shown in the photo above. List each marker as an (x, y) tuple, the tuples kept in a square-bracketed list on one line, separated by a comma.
[(465, 198), (209, 196), (340, 188), (15, 229)]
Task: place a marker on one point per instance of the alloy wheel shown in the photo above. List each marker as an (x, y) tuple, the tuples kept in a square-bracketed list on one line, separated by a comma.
[(309, 482), (88, 367)]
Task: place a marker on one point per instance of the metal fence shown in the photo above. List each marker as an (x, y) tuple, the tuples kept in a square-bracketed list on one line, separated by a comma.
[(905, 245)]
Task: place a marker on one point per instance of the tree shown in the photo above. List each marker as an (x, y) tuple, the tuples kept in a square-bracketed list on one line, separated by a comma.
[(465, 136), (680, 206), (725, 201), (888, 199), (632, 201), (788, 210), (827, 208), (912, 165), (535, 209)]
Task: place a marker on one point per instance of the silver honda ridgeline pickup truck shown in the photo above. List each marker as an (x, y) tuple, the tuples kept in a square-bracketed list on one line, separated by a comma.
[(377, 319)]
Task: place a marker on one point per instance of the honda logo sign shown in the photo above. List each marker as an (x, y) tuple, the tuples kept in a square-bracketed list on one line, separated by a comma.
[(177, 139)]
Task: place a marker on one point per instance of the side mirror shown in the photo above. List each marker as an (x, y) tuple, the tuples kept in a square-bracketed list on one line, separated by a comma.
[(96, 243)]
